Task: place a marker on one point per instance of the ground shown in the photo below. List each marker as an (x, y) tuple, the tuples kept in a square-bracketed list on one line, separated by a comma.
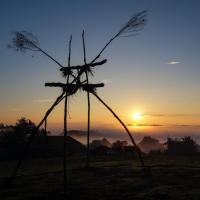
[(108, 177)]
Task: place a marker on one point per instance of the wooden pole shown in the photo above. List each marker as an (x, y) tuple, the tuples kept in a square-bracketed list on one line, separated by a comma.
[(64, 153), (45, 130), (88, 102), (65, 124)]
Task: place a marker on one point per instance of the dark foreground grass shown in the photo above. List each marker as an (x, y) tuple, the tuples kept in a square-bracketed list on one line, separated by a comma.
[(108, 178)]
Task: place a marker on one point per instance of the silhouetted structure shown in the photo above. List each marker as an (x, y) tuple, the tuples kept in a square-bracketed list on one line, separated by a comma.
[(77, 78)]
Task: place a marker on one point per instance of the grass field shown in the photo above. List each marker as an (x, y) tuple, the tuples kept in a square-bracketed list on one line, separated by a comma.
[(110, 178)]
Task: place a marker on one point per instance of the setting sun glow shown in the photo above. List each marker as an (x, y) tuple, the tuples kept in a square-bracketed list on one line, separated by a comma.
[(137, 116)]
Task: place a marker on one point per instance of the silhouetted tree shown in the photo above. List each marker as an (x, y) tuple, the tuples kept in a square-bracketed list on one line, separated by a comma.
[(1, 125), (185, 146), (100, 150), (9, 139), (118, 146), (24, 126), (17, 135), (129, 150)]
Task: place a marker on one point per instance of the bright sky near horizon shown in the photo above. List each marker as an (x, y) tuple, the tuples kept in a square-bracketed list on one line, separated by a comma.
[(155, 73)]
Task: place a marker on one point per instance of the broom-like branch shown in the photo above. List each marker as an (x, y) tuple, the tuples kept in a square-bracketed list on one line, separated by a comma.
[(134, 24), (24, 40)]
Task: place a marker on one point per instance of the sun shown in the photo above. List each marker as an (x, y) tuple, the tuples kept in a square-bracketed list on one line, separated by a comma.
[(137, 116)]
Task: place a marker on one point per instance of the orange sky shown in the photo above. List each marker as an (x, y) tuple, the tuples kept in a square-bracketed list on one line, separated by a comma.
[(155, 73)]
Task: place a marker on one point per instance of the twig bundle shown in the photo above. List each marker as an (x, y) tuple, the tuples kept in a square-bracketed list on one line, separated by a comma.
[(134, 24), (24, 41)]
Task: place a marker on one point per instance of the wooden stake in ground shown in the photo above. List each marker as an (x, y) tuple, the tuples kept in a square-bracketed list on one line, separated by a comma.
[(88, 101), (65, 123)]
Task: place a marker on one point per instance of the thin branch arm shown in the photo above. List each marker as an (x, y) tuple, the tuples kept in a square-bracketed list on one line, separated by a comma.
[(121, 122), (30, 139)]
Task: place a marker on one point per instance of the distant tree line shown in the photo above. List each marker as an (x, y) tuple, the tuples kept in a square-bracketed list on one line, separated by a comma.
[(17, 134), (13, 138), (176, 147), (104, 147), (183, 146)]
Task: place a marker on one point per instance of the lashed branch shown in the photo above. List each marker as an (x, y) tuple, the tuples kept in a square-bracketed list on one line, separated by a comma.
[(74, 86), (31, 137), (126, 129), (83, 67)]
